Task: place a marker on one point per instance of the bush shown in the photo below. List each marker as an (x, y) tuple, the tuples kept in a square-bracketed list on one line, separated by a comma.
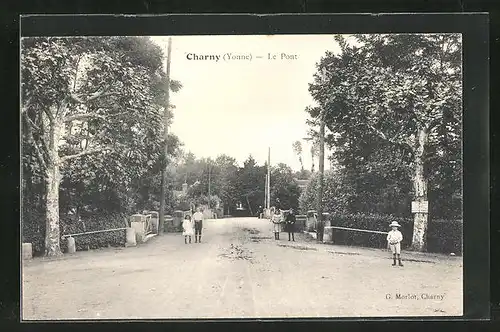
[(443, 236), (94, 222), (33, 228), (115, 238), (372, 222)]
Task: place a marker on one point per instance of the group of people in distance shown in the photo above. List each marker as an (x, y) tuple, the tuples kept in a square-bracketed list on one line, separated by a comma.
[(288, 219), (192, 226), (285, 218)]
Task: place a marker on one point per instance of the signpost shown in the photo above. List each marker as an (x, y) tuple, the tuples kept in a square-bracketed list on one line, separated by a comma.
[(420, 207)]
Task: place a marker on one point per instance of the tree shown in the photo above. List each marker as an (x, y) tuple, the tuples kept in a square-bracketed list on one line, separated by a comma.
[(251, 183), (284, 188), (314, 153), (85, 102), (337, 197), (396, 88), (297, 148), (225, 179)]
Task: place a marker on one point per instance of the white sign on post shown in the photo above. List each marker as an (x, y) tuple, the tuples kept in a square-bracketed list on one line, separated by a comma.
[(420, 207)]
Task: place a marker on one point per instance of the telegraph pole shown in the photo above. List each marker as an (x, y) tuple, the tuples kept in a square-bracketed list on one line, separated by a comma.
[(209, 196), (321, 222), (165, 141), (265, 194), (269, 178), (321, 176)]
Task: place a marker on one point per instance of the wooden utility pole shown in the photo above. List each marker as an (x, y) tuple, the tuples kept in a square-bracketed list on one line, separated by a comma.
[(268, 178), (321, 222), (165, 141), (209, 194), (265, 194), (321, 176)]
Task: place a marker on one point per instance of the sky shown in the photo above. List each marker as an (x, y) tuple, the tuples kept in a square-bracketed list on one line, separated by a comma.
[(242, 107)]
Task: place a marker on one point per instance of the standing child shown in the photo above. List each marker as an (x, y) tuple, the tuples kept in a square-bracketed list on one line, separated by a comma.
[(290, 224), (187, 228), (394, 239), (198, 225), (276, 219)]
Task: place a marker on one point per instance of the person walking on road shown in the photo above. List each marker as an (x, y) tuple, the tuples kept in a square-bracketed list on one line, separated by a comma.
[(260, 212), (187, 228), (290, 224), (276, 220), (394, 239), (198, 225)]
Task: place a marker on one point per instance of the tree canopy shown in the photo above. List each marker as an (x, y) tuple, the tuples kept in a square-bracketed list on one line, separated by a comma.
[(92, 112), (394, 105)]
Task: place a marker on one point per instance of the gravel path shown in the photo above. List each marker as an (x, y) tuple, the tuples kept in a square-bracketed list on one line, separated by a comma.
[(240, 271)]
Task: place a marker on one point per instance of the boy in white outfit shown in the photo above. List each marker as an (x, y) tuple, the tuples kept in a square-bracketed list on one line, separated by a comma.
[(198, 225), (394, 239)]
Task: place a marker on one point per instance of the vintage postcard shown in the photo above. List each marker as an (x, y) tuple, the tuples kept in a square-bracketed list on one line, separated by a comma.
[(242, 176)]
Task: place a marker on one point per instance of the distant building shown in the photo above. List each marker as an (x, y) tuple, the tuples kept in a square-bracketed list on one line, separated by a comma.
[(302, 183), (183, 192)]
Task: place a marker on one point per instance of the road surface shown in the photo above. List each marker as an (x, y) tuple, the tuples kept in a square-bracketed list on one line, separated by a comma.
[(239, 271)]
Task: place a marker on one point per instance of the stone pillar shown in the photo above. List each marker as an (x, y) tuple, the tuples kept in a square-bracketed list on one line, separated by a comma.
[(328, 234), (138, 222), (155, 218), (27, 251), (71, 245), (139, 231), (131, 241)]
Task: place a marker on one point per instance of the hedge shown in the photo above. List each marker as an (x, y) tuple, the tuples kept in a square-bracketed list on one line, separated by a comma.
[(115, 238), (33, 229), (443, 236), (368, 222)]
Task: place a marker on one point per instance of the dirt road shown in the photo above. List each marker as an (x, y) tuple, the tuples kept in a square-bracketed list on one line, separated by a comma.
[(239, 271)]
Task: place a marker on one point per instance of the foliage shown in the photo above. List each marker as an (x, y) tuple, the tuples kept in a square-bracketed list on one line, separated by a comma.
[(225, 179), (251, 180), (374, 222), (230, 184), (182, 203), (285, 191), (337, 196), (443, 236), (303, 174), (392, 104), (106, 96), (115, 238), (33, 227), (297, 148)]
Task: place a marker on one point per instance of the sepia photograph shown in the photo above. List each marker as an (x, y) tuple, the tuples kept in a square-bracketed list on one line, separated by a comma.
[(241, 176)]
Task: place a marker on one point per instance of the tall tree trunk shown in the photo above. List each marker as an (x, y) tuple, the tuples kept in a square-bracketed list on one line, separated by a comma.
[(52, 232), (420, 188)]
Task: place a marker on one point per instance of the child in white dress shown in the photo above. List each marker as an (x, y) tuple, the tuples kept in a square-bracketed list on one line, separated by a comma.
[(187, 228), (276, 219)]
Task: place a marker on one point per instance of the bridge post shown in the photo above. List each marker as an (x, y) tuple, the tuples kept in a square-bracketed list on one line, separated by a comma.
[(155, 222), (137, 222), (71, 245), (130, 238), (328, 234), (27, 251)]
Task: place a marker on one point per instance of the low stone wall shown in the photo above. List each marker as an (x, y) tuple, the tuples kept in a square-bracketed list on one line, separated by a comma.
[(94, 240), (27, 251), (300, 224)]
